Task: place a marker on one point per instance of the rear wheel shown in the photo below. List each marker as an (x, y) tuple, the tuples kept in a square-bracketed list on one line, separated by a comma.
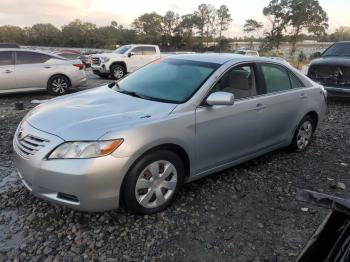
[(118, 71), (58, 85), (303, 134), (153, 183)]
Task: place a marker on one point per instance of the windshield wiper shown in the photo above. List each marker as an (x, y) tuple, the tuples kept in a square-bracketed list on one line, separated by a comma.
[(131, 93)]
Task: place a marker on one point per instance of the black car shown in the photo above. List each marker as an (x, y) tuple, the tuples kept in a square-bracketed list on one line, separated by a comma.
[(332, 69), (9, 45)]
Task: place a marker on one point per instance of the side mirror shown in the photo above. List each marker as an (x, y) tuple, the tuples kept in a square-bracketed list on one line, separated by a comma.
[(131, 54), (220, 99)]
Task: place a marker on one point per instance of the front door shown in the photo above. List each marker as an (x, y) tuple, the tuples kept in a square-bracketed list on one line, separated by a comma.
[(7, 71), (228, 133)]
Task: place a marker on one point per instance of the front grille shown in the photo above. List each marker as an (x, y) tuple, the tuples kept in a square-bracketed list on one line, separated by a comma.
[(96, 61), (329, 75), (29, 145)]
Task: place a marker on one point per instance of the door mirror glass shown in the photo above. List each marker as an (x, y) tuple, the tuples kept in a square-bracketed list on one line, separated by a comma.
[(220, 98), (131, 54)]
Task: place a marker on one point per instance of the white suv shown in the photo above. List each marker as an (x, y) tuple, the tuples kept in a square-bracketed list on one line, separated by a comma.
[(125, 59)]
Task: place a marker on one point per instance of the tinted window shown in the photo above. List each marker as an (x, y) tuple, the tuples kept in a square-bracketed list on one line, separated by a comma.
[(169, 80), (6, 58), (296, 83), (31, 58), (276, 78), (122, 49), (339, 49), (239, 81), (149, 50), (137, 50)]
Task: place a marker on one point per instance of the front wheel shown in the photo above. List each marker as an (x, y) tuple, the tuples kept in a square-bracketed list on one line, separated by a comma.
[(118, 71), (58, 85), (303, 134), (153, 183)]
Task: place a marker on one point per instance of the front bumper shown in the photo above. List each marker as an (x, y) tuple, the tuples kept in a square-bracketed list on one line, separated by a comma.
[(84, 184), (338, 92), (100, 69)]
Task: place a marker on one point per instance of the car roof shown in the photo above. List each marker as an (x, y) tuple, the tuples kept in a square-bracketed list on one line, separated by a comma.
[(221, 58), (31, 50)]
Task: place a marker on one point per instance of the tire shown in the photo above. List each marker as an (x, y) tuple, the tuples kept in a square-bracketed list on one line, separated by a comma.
[(303, 134), (104, 76), (58, 85), (144, 184), (117, 71)]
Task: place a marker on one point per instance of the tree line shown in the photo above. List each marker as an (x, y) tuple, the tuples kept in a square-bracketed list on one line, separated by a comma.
[(203, 29), (192, 31)]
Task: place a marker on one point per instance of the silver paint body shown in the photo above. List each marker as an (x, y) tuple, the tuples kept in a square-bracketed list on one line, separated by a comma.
[(32, 77), (213, 137)]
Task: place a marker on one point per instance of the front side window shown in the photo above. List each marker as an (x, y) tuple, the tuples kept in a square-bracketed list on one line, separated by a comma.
[(31, 58), (240, 81), (276, 78), (137, 50), (169, 80), (6, 58)]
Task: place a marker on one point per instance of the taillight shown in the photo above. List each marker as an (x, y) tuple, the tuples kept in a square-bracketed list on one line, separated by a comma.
[(80, 66)]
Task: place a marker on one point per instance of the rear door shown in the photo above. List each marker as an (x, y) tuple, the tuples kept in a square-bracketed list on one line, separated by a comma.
[(32, 69), (7, 70), (284, 102), (149, 54)]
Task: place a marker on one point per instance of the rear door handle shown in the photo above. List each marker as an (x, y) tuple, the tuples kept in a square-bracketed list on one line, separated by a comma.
[(303, 96), (47, 67), (7, 71)]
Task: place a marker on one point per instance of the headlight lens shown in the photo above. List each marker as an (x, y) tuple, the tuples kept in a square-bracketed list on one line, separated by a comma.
[(85, 149), (104, 59)]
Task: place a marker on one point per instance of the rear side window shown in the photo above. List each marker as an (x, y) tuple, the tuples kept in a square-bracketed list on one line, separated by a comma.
[(276, 78), (6, 58), (31, 58), (137, 50), (296, 83)]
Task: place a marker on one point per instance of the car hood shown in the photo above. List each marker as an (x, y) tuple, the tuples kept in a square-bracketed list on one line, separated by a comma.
[(332, 60), (88, 115)]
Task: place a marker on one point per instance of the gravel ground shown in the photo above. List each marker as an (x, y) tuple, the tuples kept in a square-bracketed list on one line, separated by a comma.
[(246, 213)]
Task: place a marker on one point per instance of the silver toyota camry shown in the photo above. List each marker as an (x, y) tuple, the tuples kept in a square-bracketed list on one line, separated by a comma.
[(135, 142)]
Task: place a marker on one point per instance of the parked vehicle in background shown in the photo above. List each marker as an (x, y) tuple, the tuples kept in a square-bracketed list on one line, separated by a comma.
[(28, 70), (332, 69), (246, 52), (86, 59), (9, 45), (172, 121), (125, 59), (69, 55)]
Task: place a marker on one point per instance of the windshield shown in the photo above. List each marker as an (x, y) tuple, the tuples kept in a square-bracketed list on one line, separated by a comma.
[(340, 49), (169, 80), (121, 50)]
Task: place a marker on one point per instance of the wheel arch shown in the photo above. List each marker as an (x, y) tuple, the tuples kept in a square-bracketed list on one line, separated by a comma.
[(175, 148), (122, 63)]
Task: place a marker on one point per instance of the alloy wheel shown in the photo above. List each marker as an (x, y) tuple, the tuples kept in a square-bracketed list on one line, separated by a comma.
[(304, 135), (59, 85), (156, 184), (118, 72)]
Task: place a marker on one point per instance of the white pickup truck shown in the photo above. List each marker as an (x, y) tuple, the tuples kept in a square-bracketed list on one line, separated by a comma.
[(125, 59)]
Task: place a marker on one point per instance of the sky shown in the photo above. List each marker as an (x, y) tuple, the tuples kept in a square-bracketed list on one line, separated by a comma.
[(102, 12)]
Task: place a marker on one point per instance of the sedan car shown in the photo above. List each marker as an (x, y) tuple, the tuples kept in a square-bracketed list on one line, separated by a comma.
[(173, 121), (28, 70)]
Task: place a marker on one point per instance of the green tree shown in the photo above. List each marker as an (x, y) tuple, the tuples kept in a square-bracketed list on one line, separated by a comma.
[(13, 34), (252, 26), (44, 34), (277, 13), (224, 19), (306, 15), (149, 27), (202, 19)]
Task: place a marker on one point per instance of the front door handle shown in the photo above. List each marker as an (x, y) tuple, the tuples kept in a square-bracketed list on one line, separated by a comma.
[(260, 107), (47, 67), (8, 71), (303, 96)]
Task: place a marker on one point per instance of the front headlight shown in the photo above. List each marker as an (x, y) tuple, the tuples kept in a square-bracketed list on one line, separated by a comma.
[(85, 149), (104, 59)]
